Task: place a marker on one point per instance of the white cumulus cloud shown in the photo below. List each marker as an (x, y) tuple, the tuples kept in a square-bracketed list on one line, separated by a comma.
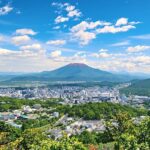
[(84, 25), (5, 10), (81, 31), (122, 21), (103, 50), (70, 8), (31, 47), (25, 32), (74, 13), (84, 37), (138, 48), (19, 40), (56, 42), (101, 55), (55, 54), (86, 31), (61, 19), (6, 51), (113, 29), (69, 11)]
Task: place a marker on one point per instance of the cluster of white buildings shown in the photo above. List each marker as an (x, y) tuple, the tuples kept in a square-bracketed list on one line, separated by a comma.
[(92, 94), (25, 113), (71, 126), (70, 94)]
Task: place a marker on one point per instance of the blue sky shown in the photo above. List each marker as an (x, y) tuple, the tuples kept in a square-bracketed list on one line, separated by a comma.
[(112, 35)]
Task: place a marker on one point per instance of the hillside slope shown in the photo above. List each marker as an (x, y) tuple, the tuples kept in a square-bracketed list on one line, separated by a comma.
[(141, 87)]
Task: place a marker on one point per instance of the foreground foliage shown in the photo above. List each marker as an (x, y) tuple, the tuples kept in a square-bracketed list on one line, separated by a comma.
[(34, 139), (122, 133), (128, 133)]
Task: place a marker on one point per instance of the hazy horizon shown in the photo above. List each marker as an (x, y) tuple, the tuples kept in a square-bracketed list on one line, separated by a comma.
[(136, 74)]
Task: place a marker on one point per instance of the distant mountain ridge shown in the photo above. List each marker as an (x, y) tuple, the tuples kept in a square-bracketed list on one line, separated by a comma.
[(73, 72), (8, 75)]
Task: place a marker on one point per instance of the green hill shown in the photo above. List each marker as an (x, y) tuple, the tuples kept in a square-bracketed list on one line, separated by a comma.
[(138, 87), (94, 111)]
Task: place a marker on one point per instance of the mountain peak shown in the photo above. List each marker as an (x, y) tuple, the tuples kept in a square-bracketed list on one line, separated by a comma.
[(73, 72), (78, 64)]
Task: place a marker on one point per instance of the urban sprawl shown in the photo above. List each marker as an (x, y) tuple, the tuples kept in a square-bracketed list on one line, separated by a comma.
[(69, 95)]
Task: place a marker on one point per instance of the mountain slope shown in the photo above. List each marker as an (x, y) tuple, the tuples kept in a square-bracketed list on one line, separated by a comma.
[(73, 72), (77, 72), (139, 87), (8, 75)]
